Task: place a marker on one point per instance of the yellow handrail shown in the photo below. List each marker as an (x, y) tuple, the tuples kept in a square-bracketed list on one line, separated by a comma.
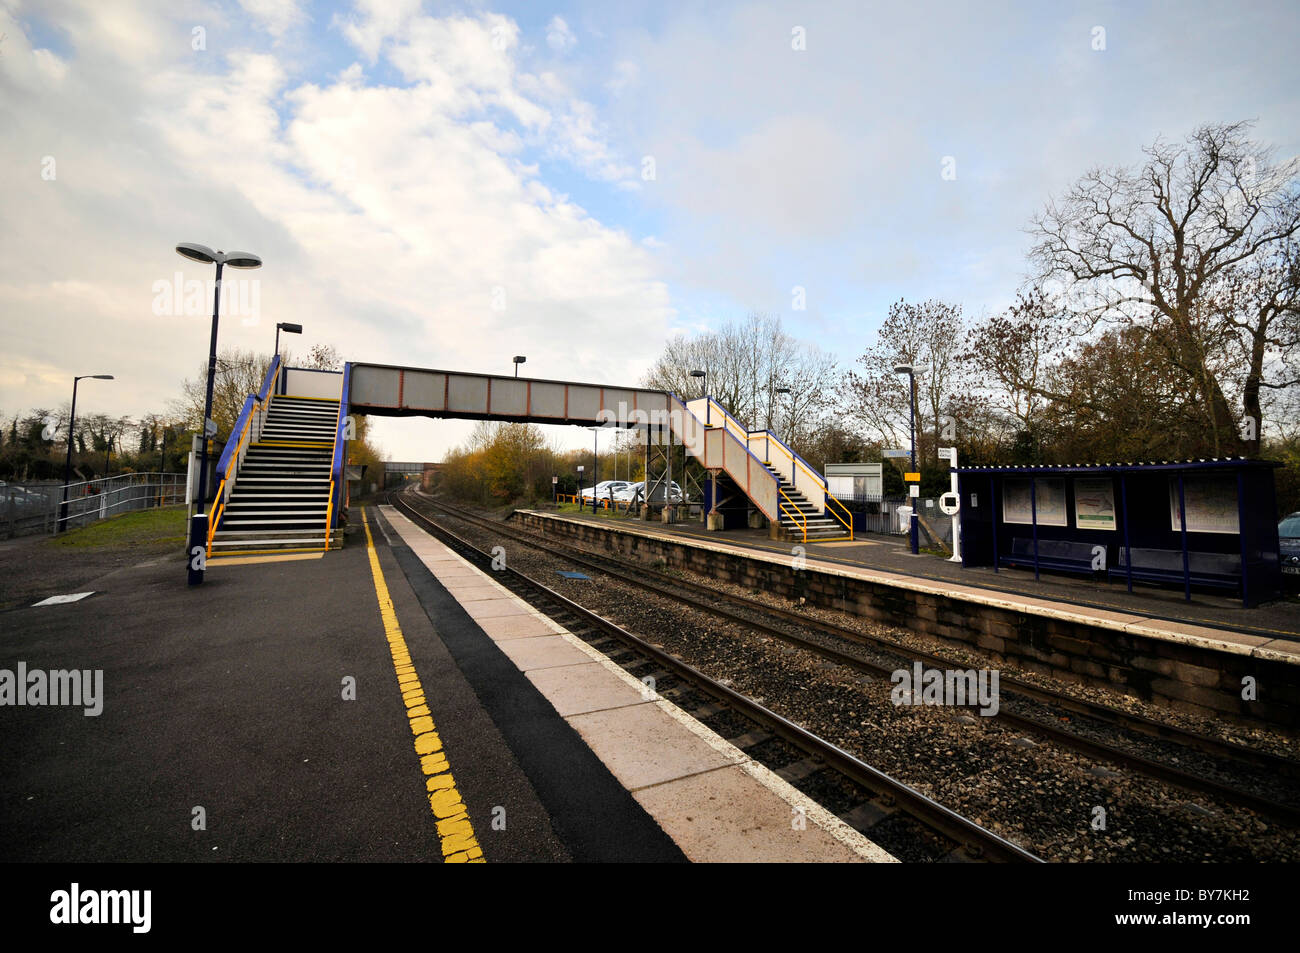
[(848, 524), (795, 513), (730, 422), (795, 461), (221, 508)]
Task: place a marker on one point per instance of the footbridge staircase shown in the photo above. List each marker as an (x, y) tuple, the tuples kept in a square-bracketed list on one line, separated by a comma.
[(778, 481), (280, 478)]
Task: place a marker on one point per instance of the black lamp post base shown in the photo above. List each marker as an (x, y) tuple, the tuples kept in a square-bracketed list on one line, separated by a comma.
[(196, 553)]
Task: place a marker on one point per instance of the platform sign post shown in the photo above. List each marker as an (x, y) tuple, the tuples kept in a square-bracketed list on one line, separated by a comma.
[(954, 498), (554, 490)]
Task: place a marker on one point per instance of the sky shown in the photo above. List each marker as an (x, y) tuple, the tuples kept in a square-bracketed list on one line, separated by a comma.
[(451, 184)]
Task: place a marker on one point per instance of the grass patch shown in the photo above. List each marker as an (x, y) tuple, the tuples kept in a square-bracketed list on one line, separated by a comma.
[(619, 514), (137, 528)]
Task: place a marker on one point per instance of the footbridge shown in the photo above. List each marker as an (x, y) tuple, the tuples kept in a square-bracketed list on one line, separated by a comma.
[(776, 480)]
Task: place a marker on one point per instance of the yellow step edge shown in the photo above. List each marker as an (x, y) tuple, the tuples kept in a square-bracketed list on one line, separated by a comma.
[(294, 443), (325, 400), (283, 555), (221, 554)]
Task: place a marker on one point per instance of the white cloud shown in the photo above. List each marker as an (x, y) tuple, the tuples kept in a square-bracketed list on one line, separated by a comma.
[(275, 16), (559, 37), (387, 216)]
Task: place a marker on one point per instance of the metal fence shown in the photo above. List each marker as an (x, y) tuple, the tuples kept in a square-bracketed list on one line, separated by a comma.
[(877, 514), (30, 508)]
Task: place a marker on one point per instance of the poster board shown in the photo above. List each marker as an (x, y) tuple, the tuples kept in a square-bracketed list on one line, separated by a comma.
[(1211, 503), (1049, 501), (1094, 503)]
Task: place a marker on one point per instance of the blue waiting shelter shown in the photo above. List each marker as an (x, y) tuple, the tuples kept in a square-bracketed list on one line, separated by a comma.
[(1194, 523)]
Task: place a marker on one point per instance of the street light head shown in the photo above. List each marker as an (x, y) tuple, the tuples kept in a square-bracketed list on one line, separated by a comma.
[(242, 259), (903, 369), (102, 377), (196, 252), (783, 390), (519, 358), (290, 328), (698, 373)]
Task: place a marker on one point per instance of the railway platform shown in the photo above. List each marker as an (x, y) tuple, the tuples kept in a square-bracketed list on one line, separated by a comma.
[(384, 702), (1279, 619), (1207, 657)]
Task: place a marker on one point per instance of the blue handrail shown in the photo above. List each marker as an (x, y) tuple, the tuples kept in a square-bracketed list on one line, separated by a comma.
[(336, 466), (232, 444)]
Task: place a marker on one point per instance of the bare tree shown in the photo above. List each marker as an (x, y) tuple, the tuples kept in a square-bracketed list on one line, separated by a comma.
[(1158, 247), (239, 373), (930, 336), (749, 363), (1012, 352)]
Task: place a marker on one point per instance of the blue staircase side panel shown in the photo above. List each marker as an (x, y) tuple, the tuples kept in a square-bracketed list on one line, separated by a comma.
[(340, 455)]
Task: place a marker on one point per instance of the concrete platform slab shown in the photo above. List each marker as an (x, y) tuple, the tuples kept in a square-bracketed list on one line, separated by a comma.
[(497, 608), (472, 593), (580, 689), (543, 652), (505, 628), (703, 811), (644, 746)]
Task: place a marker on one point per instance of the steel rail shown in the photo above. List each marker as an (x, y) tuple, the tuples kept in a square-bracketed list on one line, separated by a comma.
[(978, 841)]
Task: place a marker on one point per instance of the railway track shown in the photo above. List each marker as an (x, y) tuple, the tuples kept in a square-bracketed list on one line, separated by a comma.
[(753, 614), (884, 795)]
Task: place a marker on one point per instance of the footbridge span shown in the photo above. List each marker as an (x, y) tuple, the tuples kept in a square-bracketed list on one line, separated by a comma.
[(307, 452)]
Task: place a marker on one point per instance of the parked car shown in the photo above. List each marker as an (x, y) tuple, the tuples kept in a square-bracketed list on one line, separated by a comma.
[(625, 493), (1288, 538), (604, 489)]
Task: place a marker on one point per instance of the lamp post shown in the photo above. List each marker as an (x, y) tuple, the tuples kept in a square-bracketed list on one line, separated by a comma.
[(595, 466), (518, 359), (288, 329), (162, 467), (196, 560), (705, 375), (779, 390), (67, 466), (910, 371)]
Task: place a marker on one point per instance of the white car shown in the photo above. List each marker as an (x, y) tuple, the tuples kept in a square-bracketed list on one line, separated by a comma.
[(604, 489), (627, 491)]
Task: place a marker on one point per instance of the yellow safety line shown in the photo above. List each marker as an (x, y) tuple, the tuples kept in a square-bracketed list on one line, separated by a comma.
[(455, 832)]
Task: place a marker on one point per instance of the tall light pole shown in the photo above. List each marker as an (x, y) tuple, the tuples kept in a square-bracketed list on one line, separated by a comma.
[(705, 375), (197, 560), (910, 371), (288, 329), (779, 390), (595, 466), (518, 359), (67, 466)]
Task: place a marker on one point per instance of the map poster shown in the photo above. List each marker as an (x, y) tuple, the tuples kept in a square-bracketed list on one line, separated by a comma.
[(1211, 503), (1049, 499), (1094, 503)]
